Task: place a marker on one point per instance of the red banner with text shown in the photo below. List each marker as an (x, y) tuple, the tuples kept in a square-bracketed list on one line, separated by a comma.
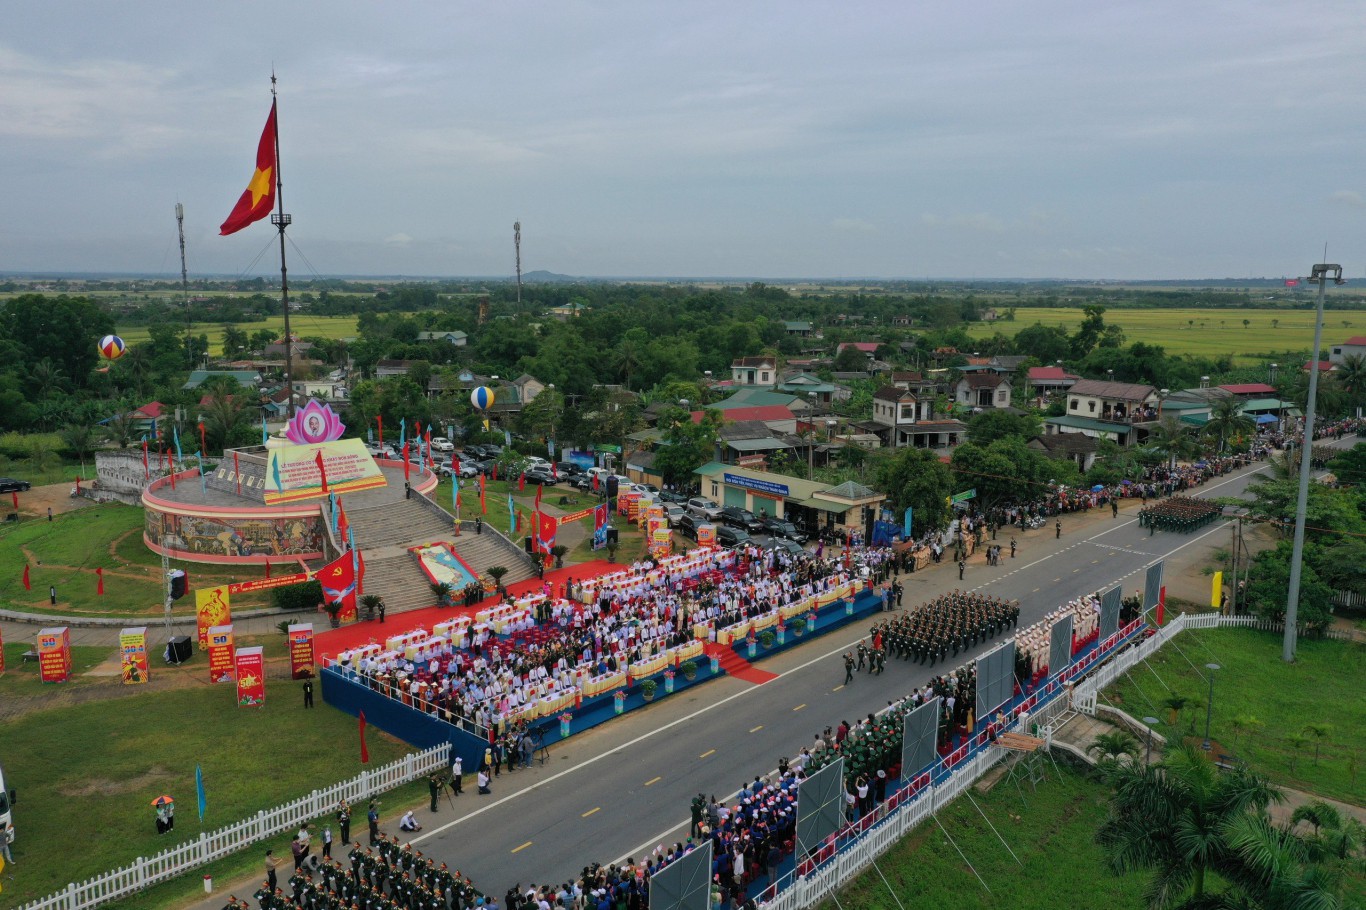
[(251, 677), (222, 650), (301, 650), (54, 654)]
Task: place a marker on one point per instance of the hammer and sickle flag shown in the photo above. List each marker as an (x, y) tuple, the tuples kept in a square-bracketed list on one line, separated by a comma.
[(338, 578), (259, 197)]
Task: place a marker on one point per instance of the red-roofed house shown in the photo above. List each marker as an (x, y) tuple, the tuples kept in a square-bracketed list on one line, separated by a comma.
[(1249, 389), (774, 416), (1325, 366), (144, 419), (1352, 347), (867, 347), (1044, 380)]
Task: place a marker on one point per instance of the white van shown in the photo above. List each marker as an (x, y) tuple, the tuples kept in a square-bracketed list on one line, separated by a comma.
[(6, 809)]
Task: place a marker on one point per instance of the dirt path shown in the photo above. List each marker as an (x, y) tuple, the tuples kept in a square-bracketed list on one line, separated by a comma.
[(55, 496)]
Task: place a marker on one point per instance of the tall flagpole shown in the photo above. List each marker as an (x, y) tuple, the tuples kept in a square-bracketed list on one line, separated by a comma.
[(281, 221)]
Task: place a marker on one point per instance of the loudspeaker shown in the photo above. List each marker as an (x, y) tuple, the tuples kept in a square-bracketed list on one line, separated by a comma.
[(612, 485), (178, 650), (529, 545), (180, 584), (612, 535)]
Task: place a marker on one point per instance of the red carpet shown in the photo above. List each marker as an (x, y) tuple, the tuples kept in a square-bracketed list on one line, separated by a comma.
[(333, 641), (737, 666)]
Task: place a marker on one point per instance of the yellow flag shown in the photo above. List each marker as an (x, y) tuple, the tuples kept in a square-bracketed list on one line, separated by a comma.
[(1216, 589)]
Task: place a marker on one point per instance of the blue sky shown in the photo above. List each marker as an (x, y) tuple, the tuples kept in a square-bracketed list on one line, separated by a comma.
[(975, 140)]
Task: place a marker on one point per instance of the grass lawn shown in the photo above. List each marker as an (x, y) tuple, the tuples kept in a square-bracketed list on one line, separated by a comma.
[(86, 773), (64, 554), (1205, 333), (1053, 837), (1323, 686)]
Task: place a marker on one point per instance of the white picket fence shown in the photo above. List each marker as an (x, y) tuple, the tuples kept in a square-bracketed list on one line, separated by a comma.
[(212, 845)]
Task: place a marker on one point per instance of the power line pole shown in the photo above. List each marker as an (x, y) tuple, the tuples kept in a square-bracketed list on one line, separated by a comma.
[(1321, 275), (517, 245), (184, 284)]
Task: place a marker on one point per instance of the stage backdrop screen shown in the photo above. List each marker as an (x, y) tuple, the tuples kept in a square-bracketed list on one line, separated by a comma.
[(685, 883), (1152, 587), (1109, 612), (995, 679), (1060, 646), (820, 807), (920, 738)]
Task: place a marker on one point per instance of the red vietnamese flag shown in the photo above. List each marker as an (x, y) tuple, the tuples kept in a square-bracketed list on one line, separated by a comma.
[(364, 752), (521, 483), (27, 586), (259, 197), (99, 586), (322, 471), (342, 524)]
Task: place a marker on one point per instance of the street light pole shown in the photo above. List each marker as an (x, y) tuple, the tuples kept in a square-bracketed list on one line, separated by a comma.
[(1209, 704), (1321, 275)]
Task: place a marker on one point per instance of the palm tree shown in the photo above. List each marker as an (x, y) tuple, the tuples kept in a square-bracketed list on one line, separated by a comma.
[(1297, 742), (1109, 747), (1226, 419), (1174, 704), (1319, 732), (1351, 375), (223, 414), (1171, 818), (1173, 440), (79, 438)]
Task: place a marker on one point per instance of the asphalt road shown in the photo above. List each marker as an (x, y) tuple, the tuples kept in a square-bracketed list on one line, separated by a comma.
[(621, 789)]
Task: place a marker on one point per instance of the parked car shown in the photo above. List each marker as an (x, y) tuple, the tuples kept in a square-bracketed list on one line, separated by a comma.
[(727, 536), (701, 507), (649, 489), (687, 526), (737, 517), (673, 511), (568, 468), (671, 496), (442, 444), (471, 467), (582, 482), (541, 476), (781, 527), (10, 485), (781, 543)]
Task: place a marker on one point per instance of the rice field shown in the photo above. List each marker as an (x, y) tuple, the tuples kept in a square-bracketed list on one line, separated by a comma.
[(301, 324), (1244, 333)]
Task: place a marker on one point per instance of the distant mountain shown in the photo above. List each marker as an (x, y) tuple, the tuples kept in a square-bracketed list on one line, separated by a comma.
[(543, 277)]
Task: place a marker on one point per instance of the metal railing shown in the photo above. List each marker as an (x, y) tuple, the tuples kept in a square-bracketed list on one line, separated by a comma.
[(213, 845)]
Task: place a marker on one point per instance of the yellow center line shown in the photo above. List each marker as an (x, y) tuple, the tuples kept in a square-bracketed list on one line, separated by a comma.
[(757, 729), (653, 780), (591, 811), (837, 688), (523, 847), (708, 752), (799, 707)]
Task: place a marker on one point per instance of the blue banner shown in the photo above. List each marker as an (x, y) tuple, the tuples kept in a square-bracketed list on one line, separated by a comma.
[(906, 527), (199, 788)]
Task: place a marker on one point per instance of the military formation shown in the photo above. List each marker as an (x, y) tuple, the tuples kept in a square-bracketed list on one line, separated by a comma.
[(938, 630), (388, 876)]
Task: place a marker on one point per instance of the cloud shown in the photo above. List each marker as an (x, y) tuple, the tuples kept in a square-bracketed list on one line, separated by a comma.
[(977, 221), (1349, 198), (854, 226)]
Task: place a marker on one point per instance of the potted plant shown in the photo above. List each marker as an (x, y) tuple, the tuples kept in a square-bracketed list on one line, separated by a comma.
[(371, 604), (798, 627), (558, 552), (333, 608), (441, 590), (766, 639), (689, 669), (647, 689), (497, 573)]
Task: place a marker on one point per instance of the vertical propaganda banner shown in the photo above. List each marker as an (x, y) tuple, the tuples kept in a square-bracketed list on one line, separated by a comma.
[(251, 677), (133, 666), (54, 654), (211, 609), (301, 650), (222, 650), (706, 536)]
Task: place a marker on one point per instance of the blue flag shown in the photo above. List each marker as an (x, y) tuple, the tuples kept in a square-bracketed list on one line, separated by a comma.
[(332, 501), (265, 436), (199, 456), (175, 435), (199, 788), (402, 432), (906, 528), (275, 469), (512, 517)]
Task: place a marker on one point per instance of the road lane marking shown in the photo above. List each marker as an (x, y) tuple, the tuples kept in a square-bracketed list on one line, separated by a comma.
[(521, 848), (837, 688), (757, 729), (708, 752), (799, 707), (653, 780), (588, 813)]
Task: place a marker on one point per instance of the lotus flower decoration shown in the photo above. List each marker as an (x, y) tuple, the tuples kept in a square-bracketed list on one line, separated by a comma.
[(313, 424)]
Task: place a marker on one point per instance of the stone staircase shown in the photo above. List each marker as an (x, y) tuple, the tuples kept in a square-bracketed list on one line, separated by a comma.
[(385, 532)]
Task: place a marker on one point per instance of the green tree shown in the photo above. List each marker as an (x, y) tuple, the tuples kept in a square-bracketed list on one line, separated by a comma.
[(1173, 819), (1227, 421), (1350, 466), (1047, 343), (1173, 440), (993, 424), (851, 360), (917, 479), (1351, 378), (687, 445), (1270, 582)]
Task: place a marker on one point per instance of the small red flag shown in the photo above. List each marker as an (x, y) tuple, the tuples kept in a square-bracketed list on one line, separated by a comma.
[(267, 570), (146, 469), (380, 421), (203, 446), (405, 459), (322, 471), (495, 470), (483, 506), (259, 197), (27, 586), (521, 483), (14, 498), (595, 483), (539, 488), (364, 752), (99, 574)]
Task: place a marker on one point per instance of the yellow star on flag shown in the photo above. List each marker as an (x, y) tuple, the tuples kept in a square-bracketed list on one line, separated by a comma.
[(260, 185)]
